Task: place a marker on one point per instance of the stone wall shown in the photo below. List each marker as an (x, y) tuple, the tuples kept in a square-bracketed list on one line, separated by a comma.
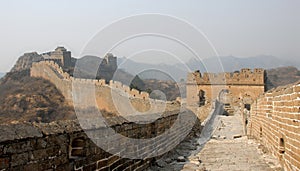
[(103, 92), (275, 121), (245, 85), (63, 145), (244, 77)]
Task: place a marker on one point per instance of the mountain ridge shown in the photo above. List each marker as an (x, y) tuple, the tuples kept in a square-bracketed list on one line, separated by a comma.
[(214, 64)]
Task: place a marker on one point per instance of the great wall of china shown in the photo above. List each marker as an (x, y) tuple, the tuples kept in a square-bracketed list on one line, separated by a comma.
[(63, 81), (64, 145), (274, 120), (244, 85)]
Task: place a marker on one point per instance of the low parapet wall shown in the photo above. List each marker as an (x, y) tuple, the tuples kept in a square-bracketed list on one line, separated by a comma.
[(275, 121), (63, 145)]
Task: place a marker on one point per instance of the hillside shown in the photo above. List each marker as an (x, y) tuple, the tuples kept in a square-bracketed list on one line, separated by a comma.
[(23, 98), (282, 76), (169, 88)]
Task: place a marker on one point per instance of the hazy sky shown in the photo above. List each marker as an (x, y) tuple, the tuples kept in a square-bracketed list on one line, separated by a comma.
[(239, 28)]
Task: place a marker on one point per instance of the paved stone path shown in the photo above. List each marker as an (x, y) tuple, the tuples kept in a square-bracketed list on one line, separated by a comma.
[(228, 150)]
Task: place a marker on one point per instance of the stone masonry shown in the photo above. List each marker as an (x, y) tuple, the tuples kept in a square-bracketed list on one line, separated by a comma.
[(51, 71), (63, 145), (244, 86), (275, 121)]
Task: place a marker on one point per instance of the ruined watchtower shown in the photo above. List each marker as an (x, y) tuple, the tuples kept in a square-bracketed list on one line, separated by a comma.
[(60, 55), (245, 86)]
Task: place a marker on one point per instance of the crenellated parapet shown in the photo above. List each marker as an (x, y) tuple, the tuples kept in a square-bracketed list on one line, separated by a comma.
[(242, 86), (243, 77), (52, 71)]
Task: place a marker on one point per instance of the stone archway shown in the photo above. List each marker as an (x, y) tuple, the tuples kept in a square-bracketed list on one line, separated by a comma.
[(225, 96)]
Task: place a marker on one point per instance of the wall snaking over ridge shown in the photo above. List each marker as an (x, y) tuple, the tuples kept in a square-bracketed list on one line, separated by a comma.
[(103, 92)]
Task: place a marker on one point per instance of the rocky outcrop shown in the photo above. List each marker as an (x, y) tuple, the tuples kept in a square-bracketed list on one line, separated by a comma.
[(26, 60)]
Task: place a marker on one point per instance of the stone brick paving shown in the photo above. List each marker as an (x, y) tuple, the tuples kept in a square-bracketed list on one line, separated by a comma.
[(228, 150)]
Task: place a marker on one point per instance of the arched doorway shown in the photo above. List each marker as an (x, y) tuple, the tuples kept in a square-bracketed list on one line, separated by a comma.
[(201, 96), (225, 97)]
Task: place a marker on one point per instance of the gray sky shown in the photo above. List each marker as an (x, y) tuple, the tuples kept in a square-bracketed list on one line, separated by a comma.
[(239, 28)]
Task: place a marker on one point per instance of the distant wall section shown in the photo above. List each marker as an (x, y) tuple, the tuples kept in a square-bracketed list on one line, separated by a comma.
[(103, 92)]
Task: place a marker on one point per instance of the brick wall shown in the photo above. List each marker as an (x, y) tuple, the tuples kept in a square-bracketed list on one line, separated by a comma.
[(107, 96), (63, 145), (275, 121), (244, 84), (53, 72)]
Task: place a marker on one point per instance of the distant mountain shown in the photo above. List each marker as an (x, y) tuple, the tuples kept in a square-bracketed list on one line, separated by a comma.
[(282, 76), (153, 71), (231, 63), (214, 64)]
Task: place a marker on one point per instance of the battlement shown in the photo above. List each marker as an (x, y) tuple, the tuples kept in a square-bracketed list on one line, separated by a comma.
[(244, 77), (245, 85), (60, 55), (39, 69)]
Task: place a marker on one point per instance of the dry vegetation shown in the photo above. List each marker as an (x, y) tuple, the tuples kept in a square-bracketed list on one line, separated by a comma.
[(282, 76), (23, 98)]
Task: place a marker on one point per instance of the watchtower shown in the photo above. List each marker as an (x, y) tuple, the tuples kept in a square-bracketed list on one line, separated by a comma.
[(245, 85)]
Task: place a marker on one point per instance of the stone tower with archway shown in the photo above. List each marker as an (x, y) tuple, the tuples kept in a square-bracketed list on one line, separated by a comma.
[(244, 86)]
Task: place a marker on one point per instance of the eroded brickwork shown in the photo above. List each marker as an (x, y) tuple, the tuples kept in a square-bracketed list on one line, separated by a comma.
[(244, 86), (63, 145), (275, 121)]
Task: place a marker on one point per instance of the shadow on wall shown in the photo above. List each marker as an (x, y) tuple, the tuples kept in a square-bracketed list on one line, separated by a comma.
[(63, 145)]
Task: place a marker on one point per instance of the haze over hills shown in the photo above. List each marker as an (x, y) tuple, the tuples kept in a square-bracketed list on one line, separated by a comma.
[(229, 64), (28, 98), (1, 74), (282, 76)]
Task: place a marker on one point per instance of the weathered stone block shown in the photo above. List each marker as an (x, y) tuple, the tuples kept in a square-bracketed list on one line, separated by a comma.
[(19, 159), (39, 155), (18, 147)]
